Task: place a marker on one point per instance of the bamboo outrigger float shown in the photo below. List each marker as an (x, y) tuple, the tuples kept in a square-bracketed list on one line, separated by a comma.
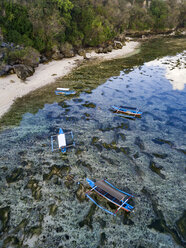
[(62, 142), (111, 193), (127, 111), (64, 91)]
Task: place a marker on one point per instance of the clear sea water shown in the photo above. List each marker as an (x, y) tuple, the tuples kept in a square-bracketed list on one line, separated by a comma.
[(43, 192)]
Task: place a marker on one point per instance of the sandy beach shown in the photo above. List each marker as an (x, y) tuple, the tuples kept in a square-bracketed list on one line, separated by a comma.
[(11, 87)]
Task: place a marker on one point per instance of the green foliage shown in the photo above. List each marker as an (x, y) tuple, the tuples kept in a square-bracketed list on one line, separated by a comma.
[(65, 5), (140, 2), (27, 55), (87, 27), (97, 33), (16, 25), (182, 16), (15, 55), (159, 12), (40, 40), (43, 23), (74, 35), (139, 19)]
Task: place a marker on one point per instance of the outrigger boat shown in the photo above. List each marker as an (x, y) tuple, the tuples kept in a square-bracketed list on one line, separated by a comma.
[(62, 142), (64, 91), (111, 193), (127, 111)]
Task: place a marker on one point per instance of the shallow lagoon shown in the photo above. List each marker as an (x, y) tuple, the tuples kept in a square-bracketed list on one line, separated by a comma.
[(42, 193)]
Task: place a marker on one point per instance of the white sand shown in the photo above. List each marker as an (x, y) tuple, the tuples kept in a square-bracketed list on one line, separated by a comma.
[(11, 87)]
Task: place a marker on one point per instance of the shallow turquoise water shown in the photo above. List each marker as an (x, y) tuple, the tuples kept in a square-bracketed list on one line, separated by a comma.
[(145, 157)]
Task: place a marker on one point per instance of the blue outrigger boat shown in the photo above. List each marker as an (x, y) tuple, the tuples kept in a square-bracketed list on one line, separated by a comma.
[(111, 193), (64, 91), (127, 111), (62, 142)]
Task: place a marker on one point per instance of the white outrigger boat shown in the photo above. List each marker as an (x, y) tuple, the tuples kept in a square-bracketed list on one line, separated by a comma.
[(64, 91), (62, 142)]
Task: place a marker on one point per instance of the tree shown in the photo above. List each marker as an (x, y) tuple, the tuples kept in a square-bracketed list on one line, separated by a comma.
[(159, 12), (65, 7), (139, 19), (16, 24), (182, 16)]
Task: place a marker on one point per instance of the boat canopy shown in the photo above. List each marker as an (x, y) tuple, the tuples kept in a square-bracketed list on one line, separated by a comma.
[(63, 143), (61, 140), (63, 89), (128, 107), (113, 192)]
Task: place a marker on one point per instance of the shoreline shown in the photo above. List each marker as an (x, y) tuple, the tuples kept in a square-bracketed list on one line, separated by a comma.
[(11, 87)]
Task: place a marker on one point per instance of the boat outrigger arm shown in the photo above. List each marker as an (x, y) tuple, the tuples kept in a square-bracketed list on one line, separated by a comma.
[(111, 193), (61, 138), (104, 209)]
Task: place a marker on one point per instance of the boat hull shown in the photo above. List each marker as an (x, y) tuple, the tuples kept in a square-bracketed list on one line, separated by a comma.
[(64, 92), (131, 112)]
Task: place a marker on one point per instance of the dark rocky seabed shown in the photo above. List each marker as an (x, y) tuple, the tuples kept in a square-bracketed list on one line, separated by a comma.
[(42, 202)]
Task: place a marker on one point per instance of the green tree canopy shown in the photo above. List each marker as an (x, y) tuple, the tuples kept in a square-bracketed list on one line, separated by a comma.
[(16, 24), (159, 12)]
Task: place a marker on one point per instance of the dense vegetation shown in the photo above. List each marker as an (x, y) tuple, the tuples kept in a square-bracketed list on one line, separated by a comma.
[(44, 24)]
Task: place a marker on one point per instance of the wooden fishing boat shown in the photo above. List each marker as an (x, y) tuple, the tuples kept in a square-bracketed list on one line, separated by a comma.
[(64, 91), (111, 193), (62, 142), (127, 111)]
